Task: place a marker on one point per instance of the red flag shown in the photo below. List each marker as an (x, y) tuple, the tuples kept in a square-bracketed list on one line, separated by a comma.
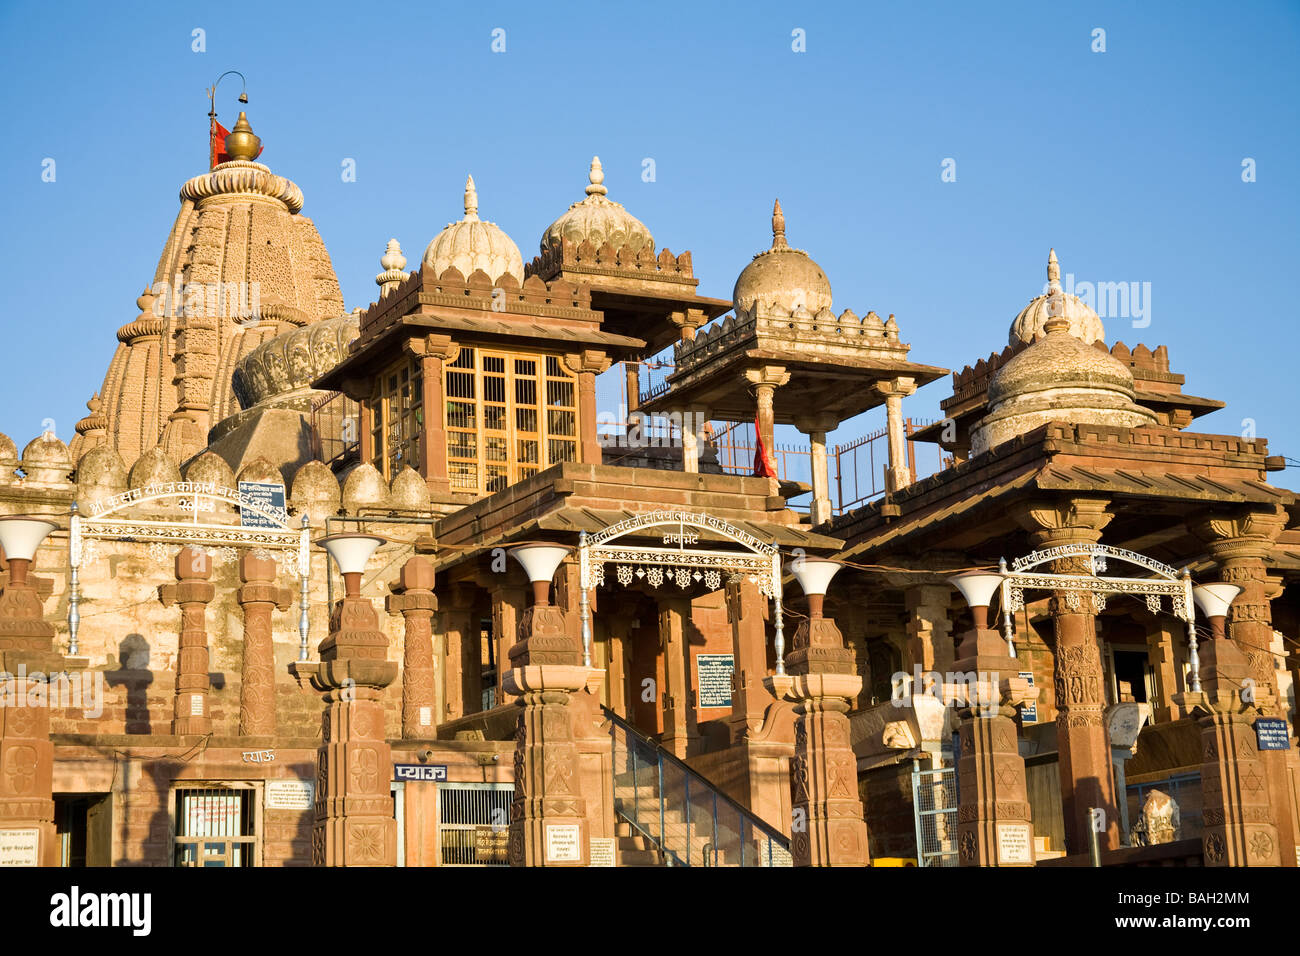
[(217, 144), (764, 467)]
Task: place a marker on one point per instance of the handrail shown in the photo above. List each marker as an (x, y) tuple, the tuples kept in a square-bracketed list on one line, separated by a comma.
[(766, 828)]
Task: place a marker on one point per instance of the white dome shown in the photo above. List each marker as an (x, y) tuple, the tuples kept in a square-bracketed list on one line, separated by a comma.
[(472, 244)]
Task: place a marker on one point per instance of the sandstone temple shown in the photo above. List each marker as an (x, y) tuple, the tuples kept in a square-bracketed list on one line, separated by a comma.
[(390, 587)]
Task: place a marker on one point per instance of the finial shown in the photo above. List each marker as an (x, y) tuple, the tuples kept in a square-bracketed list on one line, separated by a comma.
[(145, 302), (94, 403), (243, 143), (471, 199), (1057, 323), (597, 177), (1053, 272), (778, 227), (392, 257), (393, 262)]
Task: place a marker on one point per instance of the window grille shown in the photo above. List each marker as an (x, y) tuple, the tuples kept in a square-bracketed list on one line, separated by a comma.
[(473, 823), (215, 826)]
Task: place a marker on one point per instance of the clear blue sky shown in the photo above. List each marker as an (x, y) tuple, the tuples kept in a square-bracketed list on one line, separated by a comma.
[(1129, 161)]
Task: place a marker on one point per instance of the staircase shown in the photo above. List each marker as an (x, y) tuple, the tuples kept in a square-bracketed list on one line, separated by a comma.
[(668, 815)]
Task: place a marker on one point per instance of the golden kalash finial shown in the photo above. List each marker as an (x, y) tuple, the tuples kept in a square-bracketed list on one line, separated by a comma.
[(243, 143), (778, 227)]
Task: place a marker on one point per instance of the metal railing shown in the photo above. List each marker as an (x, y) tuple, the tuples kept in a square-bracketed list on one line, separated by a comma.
[(335, 430), (686, 818), (934, 806)]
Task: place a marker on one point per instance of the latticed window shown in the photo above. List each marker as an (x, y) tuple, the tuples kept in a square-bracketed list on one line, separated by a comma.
[(397, 418), (508, 417), (215, 825)]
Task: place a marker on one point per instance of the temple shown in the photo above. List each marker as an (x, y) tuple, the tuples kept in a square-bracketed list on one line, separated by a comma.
[(393, 586)]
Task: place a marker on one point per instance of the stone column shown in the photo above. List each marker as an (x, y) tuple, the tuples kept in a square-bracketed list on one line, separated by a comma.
[(1080, 688), (433, 352), (929, 628), (692, 424), (1161, 653), (827, 827), (747, 612), (993, 818), (413, 597), (619, 630), (354, 823), (508, 606), (763, 383), (1239, 823), (28, 659), (632, 377), (898, 475), (192, 591), (462, 676), (1239, 542), (681, 732), (586, 366), (816, 427), (257, 678), (548, 818)]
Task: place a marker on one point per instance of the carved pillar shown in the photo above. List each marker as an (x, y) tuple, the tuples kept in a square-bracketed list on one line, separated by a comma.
[(816, 427), (693, 423), (548, 824), (763, 383), (929, 628), (1239, 823), (898, 475), (508, 606), (433, 352), (192, 592), (993, 818), (27, 659), (586, 366), (827, 827), (257, 677), (354, 823), (462, 676), (680, 729), (1239, 542), (747, 613), (1162, 655), (1085, 763), (632, 377), (413, 597)]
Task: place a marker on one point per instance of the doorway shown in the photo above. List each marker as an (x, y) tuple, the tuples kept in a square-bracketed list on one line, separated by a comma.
[(84, 828)]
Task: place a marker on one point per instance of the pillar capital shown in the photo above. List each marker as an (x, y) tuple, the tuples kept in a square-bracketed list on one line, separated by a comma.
[(771, 376), (589, 360), (895, 387), (432, 346), (1060, 521), (818, 423), (1246, 532)]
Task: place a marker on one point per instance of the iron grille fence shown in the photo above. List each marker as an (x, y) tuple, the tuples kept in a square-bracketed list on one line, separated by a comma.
[(465, 811), (934, 805), (215, 826)]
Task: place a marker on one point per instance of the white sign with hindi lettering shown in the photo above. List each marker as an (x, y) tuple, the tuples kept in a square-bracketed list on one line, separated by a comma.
[(1015, 843), (602, 851), (563, 843), (20, 847), (290, 794)]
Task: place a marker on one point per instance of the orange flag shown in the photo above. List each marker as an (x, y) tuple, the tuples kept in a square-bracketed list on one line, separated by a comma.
[(217, 145)]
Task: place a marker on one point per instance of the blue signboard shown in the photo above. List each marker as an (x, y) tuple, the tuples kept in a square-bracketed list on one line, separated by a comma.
[(713, 673), (419, 771), (267, 495), (1270, 734)]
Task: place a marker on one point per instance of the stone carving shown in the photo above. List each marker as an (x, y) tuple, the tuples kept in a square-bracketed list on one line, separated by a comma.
[(1160, 821)]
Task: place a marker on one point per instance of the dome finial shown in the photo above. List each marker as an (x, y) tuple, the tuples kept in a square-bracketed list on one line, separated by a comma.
[(471, 199), (1053, 272), (597, 176), (243, 143), (778, 227)]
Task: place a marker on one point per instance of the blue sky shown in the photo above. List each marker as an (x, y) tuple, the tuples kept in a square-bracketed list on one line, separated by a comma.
[(1129, 161)]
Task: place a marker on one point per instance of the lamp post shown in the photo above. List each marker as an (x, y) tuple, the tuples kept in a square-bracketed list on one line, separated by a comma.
[(20, 536), (1214, 601), (814, 576), (540, 562), (350, 552)]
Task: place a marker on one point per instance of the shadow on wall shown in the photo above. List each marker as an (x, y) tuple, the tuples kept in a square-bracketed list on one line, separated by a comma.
[(134, 674)]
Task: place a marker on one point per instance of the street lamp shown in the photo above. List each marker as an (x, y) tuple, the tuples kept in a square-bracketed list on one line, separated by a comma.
[(20, 536), (540, 561), (350, 552), (1214, 601), (977, 588), (814, 576)]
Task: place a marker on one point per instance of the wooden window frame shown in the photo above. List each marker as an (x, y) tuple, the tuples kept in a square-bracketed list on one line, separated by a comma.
[(383, 416)]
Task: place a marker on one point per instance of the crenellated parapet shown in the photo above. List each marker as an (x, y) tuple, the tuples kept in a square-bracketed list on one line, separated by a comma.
[(629, 260)]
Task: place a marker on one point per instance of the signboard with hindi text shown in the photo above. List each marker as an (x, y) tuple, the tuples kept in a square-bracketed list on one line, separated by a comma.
[(713, 675), (268, 496), (20, 847)]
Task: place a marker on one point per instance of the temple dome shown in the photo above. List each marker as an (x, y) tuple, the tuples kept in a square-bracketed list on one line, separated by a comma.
[(783, 279), (599, 220), (1060, 378), (472, 245), (1085, 324)]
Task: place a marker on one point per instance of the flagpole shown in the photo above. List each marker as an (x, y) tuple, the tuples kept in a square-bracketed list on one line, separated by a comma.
[(212, 109)]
